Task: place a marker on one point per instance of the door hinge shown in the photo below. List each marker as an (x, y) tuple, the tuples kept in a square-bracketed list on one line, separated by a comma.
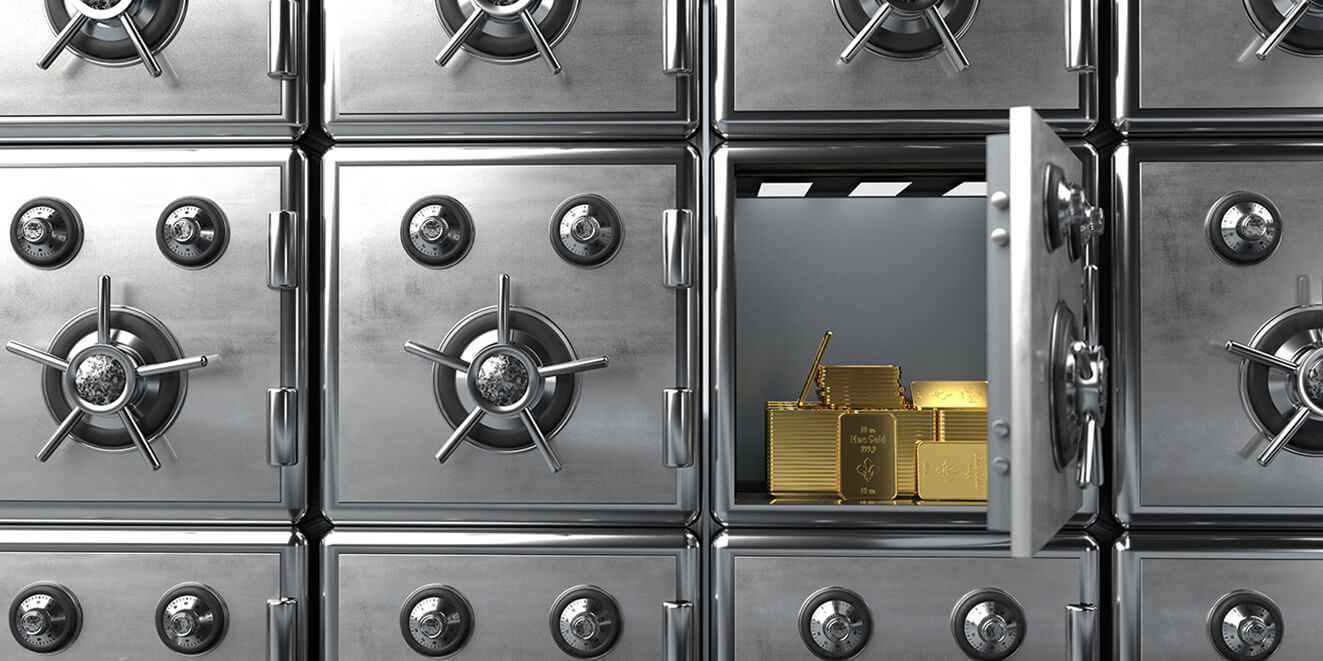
[(679, 34), (1082, 632), (282, 629), (679, 629), (678, 249), (678, 437), (283, 40), (282, 426), (283, 250)]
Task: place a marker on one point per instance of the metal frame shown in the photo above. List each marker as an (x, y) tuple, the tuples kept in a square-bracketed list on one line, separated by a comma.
[(292, 502), (680, 544), (682, 511), (727, 546), (1126, 403), (906, 158)]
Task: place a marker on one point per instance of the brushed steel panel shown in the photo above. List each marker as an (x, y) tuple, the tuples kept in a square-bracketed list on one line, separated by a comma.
[(389, 426), (119, 591), (1195, 444), (782, 65), (215, 73), (380, 68), (226, 309), (1216, 69), (510, 595)]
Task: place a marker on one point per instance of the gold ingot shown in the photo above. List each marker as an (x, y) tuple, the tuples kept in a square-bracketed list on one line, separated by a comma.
[(962, 425), (861, 387), (913, 426), (949, 394), (953, 471), (868, 456), (803, 454)]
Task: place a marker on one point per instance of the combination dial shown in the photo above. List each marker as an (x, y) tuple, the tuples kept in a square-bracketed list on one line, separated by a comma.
[(191, 619), (835, 623), (1244, 228), (1245, 626), (988, 625), (437, 232), (586, 231), (46, 233), (192, 233), (436, 621), (45, 618), (585, 622)]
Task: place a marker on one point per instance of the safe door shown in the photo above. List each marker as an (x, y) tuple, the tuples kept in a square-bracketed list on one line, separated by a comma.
[(120, 593), (945, 261), (154, 315), (1218, 327), (1232, 597), (511, 334), (441, 69), (901, 67), (507, 596), (138, 69), (793, 596), (1248, 66)]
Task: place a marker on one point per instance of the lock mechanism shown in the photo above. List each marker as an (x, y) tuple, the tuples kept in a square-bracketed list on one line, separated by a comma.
[(506, 31), (46, 233), (1071, 219), (192, 233), (191, 619), (436, 620), (1244, 228), (1245, 626), (835, 623), (585, 622), (586, 231), (113, 32), (45, 618), (1281, 381), (907, 29), (988, 625), (1294, 26), (437, 232)]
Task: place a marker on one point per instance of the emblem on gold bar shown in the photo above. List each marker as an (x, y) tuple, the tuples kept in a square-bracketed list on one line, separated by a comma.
[(953, 470), (868, 456), (949, 394)]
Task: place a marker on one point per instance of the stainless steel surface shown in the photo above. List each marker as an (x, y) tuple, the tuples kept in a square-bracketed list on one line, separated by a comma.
[(120, 574), (769, 85), (215, 456), (911, 584), (1161, 74), (1169, 586), (608, 444), (511, 579), (382, 79), (1185, 448), (213, 80)]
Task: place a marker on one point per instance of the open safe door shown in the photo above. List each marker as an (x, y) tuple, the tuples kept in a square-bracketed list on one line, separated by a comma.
[(1047, 374)]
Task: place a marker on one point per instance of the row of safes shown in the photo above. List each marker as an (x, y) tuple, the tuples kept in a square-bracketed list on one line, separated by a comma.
[(515, 333), (779, 596), (128, 69)]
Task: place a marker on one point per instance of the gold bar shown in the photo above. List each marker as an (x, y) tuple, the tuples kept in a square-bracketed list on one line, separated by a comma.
[(962, 425), (861, 386), (868, 456), (953, 471), (912, 427), (949, 394), (803, 454), (813, 371)]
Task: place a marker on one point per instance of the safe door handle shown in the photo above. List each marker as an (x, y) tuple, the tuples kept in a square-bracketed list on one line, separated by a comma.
[(283, 40), (480, 16), (678, 35), (1289, 21), (949, 42), (679, 629), (84, 13), (1079, 36)]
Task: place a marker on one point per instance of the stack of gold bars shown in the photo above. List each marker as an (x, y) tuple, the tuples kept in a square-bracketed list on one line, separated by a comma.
[(864, 440)]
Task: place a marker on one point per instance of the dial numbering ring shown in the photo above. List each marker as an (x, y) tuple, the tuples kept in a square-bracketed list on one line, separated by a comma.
[(1243, 228), (436, 620), (192, 232), (1245, 625), (988, 625), (586, 231), (437, 232), (46, 233), (835, 623)]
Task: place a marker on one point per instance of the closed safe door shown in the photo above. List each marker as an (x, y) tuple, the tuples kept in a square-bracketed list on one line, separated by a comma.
[(153, 314), (783, 597), (511, 334)]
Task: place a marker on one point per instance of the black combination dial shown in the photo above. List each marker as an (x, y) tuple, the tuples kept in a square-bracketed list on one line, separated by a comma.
[(835, 623), (46, 233), (988, 625), (45, 618), (586, 231), (586, 622), (191, 619), (437, 232), (192, 233), (1244, 228), (436, 621), (1245, 626)]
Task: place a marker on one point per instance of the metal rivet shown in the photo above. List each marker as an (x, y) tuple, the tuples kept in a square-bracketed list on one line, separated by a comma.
[(1001, 428), (1000, 236), (1002, 465), (1000, 200)]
